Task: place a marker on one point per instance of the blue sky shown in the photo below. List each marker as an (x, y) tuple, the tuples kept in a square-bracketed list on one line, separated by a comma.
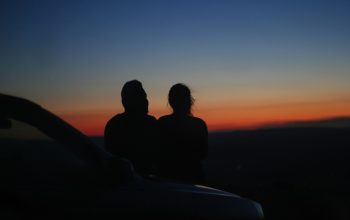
[(74, 56)]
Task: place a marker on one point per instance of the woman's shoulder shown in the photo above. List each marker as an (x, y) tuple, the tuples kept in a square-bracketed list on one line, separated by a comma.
[(198, 120), (166, 121), (198, 123), (151, 117)]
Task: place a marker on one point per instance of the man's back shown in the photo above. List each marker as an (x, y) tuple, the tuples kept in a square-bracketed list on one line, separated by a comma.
[(132, 137)]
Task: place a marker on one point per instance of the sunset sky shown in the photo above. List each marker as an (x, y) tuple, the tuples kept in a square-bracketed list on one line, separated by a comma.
[(247, 62)]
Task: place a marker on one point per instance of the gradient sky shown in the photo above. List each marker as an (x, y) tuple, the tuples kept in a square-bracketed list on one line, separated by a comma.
[(247, 62)]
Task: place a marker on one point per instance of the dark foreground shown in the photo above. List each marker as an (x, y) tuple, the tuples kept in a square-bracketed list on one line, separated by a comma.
[(295, 173)]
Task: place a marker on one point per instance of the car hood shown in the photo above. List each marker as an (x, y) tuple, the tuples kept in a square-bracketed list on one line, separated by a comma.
[(176, 201)]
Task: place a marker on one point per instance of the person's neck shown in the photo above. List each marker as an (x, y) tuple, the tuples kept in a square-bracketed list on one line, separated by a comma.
[(181, 114), (135, 113)]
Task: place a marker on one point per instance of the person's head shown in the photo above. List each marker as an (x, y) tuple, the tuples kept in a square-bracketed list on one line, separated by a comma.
[(180, 99), (134, 97)]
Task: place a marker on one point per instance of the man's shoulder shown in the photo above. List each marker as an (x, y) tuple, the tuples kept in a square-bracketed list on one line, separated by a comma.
[(116, 119), (165, 118), (122, 117)]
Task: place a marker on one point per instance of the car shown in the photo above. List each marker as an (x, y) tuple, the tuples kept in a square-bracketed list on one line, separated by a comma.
[(50, 170)]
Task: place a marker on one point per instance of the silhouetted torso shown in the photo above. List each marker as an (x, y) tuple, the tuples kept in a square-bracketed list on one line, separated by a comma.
[(184, 144), (133, 137)]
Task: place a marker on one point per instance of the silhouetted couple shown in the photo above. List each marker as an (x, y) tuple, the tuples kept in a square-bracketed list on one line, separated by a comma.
[(172, 147)]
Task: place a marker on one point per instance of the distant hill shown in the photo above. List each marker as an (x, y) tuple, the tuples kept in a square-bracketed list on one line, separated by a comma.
[(336, 122), (279, 152)]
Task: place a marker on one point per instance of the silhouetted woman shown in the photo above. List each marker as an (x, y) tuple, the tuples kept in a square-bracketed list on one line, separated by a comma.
[(133, 133), (184, 139)]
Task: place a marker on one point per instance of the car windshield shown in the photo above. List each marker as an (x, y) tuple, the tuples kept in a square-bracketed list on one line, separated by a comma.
[(31, 158)]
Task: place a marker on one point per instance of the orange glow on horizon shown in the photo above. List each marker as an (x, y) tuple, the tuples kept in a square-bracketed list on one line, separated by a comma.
[(225, 118)]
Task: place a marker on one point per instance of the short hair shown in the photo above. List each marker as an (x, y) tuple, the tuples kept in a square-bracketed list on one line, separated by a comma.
[(134, 97), (133, 89)]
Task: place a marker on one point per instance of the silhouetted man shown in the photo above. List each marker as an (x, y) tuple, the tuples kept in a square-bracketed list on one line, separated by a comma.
[(184, 139), (132, 134)]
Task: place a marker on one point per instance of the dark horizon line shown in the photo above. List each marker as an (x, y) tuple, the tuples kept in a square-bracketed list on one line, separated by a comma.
[(317, 123)]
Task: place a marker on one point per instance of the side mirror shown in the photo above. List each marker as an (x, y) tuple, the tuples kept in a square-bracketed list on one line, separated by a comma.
[(5, 123)]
